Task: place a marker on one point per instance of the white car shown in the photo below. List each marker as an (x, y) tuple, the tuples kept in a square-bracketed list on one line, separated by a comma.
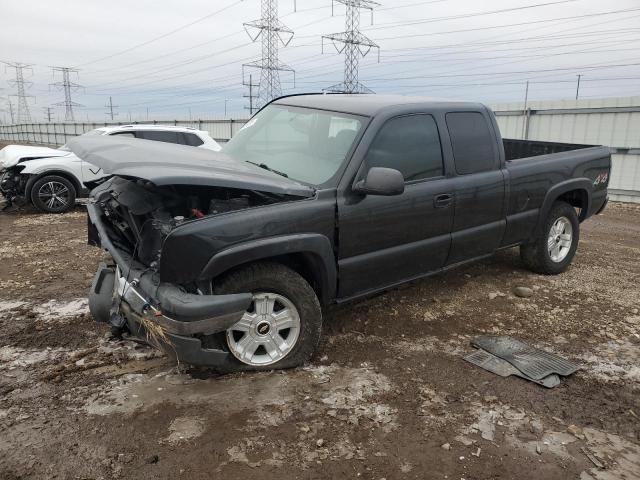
[(51, 179)]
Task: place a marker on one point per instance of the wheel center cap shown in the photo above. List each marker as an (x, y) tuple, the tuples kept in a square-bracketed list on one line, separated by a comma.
[(263, 328)]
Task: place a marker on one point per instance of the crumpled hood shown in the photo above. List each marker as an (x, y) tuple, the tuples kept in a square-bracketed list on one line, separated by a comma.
[(170, 164), (12, 154)]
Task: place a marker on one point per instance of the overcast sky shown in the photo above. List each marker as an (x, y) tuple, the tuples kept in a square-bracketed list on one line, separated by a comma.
[(467, 49)]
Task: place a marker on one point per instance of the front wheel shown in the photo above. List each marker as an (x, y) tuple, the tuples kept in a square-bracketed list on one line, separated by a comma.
[(281, 328), (53, 194), (555, 247)]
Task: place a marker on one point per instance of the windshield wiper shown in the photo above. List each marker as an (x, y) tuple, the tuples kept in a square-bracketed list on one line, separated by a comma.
[(267, 167)]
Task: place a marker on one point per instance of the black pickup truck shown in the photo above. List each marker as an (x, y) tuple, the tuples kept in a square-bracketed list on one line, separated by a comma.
[(228, 259)]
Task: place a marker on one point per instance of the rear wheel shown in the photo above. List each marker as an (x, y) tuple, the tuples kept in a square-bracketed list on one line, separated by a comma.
[(53, 194), (556, 245), (281, 328)]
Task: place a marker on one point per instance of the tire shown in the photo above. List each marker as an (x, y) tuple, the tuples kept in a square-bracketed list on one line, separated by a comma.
[(272, 281), (549, 258), (64, 197)]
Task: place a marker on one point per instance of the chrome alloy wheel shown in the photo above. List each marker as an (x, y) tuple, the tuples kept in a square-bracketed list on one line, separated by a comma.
[(54, 195), (560, 239), (267, 332)]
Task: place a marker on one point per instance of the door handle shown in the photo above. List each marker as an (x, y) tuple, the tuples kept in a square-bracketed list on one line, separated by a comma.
[(443, 200)]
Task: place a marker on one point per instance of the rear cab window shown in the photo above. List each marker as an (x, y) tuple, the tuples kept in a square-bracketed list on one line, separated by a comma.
[(472, 142), (410, 144)]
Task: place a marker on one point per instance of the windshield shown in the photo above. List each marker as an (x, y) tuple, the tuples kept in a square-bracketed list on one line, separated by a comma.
[(302, 143), (90, 133)]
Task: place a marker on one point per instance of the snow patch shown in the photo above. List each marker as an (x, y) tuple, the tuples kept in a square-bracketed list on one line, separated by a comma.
[(7, 305), (13, 357), (54, 309)]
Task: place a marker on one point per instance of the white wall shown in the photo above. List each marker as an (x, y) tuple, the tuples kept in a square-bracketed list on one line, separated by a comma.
[(614, 122)]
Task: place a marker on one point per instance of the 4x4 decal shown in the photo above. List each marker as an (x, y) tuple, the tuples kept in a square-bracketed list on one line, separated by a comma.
[(602, 178)]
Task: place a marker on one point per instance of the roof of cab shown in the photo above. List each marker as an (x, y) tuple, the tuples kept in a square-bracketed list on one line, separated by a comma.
[(367, 104)]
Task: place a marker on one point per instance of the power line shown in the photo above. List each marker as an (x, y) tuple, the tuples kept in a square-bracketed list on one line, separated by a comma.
[(467, 15), (22, 115), (164, 35), (354, 45), (414, 48), (272, 32), (519, 24), (67, 86), (416, 4)]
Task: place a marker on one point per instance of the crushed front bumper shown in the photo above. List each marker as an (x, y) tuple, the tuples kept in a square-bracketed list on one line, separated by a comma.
[(126, 294)]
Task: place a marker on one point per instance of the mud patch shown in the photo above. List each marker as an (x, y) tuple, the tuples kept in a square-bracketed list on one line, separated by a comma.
[(184, 429)]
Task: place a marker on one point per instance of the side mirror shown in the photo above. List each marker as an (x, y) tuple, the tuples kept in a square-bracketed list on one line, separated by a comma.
[(381, 181)]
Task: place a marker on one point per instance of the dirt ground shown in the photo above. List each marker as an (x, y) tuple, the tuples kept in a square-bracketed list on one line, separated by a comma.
[(388, 394)]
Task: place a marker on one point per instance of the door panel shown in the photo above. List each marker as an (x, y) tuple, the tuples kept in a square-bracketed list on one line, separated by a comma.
[(479, 222), (385, 240), (479, 214)]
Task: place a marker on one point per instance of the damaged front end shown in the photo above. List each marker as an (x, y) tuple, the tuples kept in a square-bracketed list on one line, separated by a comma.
[(131, 218), (13, 185)]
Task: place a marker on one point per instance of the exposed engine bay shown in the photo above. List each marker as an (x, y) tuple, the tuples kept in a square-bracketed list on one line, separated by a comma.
[(140, 214), (13, 185)]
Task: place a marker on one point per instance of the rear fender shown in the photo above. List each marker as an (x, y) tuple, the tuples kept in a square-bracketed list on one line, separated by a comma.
[(558, 190)]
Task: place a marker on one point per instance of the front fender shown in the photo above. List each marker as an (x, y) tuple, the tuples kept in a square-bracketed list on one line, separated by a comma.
[(316, 248), (71, 165)]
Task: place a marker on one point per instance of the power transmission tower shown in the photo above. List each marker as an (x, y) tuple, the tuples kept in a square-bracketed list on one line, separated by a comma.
[(110, 106), (251, 95), (48, 111), (273, 32), (354, 45), (68, 86), (23, 115)]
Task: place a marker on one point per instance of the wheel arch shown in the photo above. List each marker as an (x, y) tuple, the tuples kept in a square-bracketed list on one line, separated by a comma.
[(310, 255), (59, 173), (576, 192)]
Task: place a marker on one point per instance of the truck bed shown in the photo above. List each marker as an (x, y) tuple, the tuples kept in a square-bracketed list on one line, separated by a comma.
[(515, 149)]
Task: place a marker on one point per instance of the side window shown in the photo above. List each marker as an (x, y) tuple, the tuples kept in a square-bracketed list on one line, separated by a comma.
[(192, 139), (124, 134), (160, 136), (410, 144), (472, 142)]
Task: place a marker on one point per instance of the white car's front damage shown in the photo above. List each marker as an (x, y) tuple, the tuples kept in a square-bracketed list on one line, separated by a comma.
[(12, 155), (15, 163)]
